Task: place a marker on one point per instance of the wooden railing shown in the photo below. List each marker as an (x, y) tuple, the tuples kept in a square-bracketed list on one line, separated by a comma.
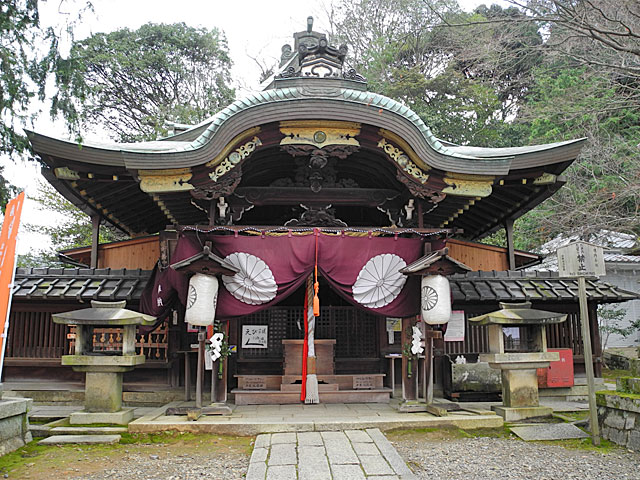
[(34, 335)]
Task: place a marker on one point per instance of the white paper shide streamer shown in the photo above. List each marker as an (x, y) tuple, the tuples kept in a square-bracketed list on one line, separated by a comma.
[(202, 300), (436, 299)]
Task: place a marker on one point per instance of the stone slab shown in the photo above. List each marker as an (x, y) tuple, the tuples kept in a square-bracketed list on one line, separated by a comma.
[(256, 471), (123, 417), (80, 439), (283, 438), (347, 472), (310, 438), (263, 440), (514, 414), (365, 449), (283, 454), (557, 431), (358, 436), (87, 430), (281, 472), (259, 455), (375, 465), (10, 407)]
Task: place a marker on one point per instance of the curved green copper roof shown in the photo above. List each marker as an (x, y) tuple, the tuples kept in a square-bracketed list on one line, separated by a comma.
[(308, 98)]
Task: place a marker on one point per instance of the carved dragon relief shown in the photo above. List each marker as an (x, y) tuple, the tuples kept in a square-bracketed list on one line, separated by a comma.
[(319, 216), (223, 187), (319, 171)]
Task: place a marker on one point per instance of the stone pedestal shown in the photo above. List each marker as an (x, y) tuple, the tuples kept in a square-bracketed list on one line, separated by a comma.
[(14, 424)]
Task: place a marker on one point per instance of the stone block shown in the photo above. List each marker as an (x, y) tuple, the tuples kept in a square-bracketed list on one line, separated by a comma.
[(633, 441), (14, 443), (521, 413), (12, 427), (618, 400), (103, 392), (123, 417), (634, 366), (615, 419), (520, 388), (475, 377), (10, 407), (634, 385), (631, 421)]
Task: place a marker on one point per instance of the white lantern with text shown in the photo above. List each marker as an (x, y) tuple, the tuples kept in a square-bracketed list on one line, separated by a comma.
[(202, 300), (435, 295)]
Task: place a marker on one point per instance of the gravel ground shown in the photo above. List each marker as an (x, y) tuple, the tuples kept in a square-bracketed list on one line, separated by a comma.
[(173, 467), (498, 458)]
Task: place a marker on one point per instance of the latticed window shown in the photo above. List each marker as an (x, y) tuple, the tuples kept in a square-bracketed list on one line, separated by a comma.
[(355, 331)]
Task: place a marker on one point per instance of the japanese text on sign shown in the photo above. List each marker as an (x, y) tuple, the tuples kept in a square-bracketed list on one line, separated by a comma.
[(254, 336)]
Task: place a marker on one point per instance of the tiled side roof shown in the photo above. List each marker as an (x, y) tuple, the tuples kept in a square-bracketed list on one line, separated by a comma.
[(474, 287), (80, 284)]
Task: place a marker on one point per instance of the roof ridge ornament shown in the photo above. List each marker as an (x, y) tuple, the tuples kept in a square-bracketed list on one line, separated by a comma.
[(313, 56)]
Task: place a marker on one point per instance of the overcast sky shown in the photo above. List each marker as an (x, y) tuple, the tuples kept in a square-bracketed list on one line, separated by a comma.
[(253, 28)]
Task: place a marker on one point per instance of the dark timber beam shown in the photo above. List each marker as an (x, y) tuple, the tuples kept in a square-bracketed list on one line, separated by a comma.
[(95, 239), (508, 226)]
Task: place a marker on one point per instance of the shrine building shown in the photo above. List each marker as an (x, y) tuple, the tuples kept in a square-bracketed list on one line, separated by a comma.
[(313, 194)]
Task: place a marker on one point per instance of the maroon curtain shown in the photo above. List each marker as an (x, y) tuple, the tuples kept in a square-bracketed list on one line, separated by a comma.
[(290, 259)]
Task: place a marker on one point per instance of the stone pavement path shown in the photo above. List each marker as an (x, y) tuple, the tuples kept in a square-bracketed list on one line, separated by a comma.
[(343, 455)]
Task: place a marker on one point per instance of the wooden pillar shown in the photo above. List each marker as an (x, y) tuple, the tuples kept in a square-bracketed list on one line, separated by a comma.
[(508, 226), (409, 383), (212, 212), (596, 341), (200, 367), (95, 239)]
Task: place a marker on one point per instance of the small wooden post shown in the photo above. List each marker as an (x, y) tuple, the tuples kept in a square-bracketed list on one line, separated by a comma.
[(95, 239), (588, 360), (409, 384), (200, 370), (214, 380)]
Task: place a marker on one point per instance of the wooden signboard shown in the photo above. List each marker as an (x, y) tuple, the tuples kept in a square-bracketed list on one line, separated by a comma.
[(363, 382), (255, 383)]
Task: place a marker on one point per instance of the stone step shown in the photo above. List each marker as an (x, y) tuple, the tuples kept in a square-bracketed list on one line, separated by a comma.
[(576, 390), (296, 387), (277, 397), (87, 430), (80, 439)]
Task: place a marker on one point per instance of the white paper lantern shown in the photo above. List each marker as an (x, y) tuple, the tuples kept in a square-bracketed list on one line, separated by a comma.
[(436, 299), (202, 300)]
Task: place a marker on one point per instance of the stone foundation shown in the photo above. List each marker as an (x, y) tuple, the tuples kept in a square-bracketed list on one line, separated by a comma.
[(14, 424), (619, 413)]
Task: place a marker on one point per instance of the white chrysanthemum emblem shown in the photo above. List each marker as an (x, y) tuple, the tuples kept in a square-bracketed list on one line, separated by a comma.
[(254, 283), (379, 282)]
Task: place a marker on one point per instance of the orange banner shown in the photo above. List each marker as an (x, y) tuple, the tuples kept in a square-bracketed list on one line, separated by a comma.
[(7, 266)]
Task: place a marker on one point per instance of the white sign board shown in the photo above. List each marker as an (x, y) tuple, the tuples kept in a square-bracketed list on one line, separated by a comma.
[(455, 327), (254, 336), (581, 259)]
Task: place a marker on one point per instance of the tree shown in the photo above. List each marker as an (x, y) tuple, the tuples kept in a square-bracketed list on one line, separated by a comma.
[(131, 82), (73, 230), (458, 80)]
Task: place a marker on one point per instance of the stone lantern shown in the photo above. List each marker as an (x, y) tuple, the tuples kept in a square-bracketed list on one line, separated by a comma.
[(103, 383), (519, 369)]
